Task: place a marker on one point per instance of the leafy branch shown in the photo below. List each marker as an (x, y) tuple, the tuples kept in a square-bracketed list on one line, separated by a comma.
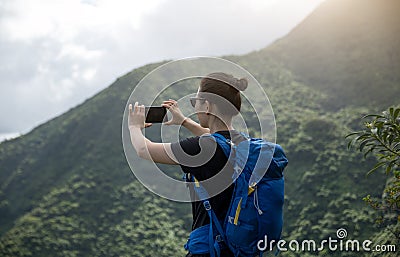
[(381, 137)]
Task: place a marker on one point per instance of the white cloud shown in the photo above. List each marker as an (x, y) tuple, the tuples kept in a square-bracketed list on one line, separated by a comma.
[(77, 51), (56, 53), (62, 19), (88, 74)]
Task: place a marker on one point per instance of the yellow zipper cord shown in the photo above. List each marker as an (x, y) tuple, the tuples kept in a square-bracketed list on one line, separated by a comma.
[(251, 190), (235, 221), (196, 182)]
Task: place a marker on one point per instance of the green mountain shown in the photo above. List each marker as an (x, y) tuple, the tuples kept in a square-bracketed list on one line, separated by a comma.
[(344, 46), (66, 188)]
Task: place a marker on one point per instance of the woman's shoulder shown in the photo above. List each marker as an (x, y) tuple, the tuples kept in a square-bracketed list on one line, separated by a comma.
[(234, 135), (189, 145), (193, 145)]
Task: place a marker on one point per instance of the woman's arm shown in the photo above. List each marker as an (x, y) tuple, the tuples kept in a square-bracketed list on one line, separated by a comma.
[(194, 127), (157, 152), (179, 119)]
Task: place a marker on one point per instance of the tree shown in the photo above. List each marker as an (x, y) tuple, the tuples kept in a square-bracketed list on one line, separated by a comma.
[(381, 137)]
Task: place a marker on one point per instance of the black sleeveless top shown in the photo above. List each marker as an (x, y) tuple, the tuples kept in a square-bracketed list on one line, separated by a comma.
[(220, 202)]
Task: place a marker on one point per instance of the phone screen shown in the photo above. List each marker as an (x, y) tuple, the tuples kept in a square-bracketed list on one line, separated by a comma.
[(155, 114)]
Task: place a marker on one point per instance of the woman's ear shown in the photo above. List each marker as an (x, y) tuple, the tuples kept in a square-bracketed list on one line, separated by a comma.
[(208, 107)]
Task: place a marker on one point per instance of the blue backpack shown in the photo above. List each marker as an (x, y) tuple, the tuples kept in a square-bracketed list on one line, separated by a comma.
[(255, 213)]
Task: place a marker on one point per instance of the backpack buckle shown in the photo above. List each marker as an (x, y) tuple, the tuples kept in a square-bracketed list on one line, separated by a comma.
[(229, 141), (218, 238), (207, 205)]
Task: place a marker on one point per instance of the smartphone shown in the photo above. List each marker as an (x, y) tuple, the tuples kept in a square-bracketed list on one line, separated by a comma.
[(155, 114)]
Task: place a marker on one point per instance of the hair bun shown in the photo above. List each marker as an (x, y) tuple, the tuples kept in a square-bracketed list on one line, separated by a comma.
[(241, 84), (236, 84)]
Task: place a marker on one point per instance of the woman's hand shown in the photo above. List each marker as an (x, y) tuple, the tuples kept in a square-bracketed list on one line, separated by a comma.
[(136, 117), (177, 117)]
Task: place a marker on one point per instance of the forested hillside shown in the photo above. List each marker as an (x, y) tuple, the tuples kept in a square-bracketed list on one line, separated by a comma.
[(67, 190), (345, 46)]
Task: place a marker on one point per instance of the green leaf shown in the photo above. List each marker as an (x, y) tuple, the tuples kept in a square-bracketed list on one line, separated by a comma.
[(391, 111), (362, 145), (396, 146), (353, 133), (378, 165), (373, 115), (388, 168), (396, 113), (349, 145), (369, 151)]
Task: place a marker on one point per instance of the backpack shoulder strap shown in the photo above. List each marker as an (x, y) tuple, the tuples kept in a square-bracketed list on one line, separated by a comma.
[(223, 142), (214, 248)]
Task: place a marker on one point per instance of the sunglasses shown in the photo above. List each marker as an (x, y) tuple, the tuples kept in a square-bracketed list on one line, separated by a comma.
[(194, 99)]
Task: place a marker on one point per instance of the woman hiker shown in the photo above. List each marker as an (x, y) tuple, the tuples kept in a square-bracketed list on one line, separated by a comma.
[(217, 101)]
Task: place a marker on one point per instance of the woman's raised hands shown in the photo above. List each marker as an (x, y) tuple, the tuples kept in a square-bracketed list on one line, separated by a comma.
[(177, 117)]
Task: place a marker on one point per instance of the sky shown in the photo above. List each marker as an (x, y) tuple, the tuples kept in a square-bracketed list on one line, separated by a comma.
[(54, 54)]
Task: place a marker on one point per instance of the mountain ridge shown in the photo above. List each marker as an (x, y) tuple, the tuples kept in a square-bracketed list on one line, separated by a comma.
[(356, 45)]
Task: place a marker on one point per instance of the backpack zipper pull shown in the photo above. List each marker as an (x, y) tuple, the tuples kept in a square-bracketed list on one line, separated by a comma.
[(256, 202)]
